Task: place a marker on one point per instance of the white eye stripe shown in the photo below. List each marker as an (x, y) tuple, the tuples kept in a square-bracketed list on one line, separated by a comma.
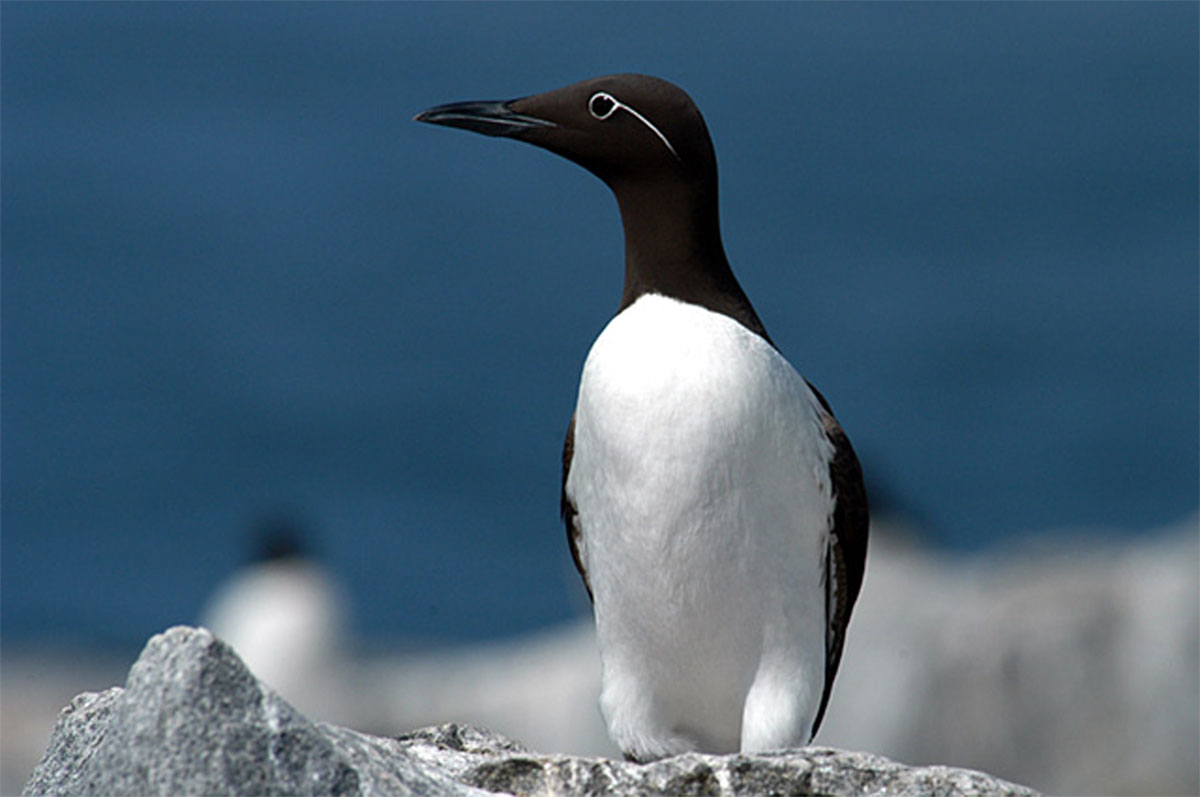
[(602, 97)]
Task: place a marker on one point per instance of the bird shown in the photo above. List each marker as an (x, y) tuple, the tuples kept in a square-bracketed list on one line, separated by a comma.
[(286, 614), (714, 506)]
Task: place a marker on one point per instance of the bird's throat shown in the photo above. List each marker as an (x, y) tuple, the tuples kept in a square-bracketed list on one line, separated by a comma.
[(673, 247)]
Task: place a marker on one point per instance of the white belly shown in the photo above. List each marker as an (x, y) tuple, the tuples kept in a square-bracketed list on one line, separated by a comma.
[(701, 477)]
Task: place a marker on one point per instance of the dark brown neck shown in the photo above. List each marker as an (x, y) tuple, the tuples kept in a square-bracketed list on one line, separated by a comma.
[(673, 247)]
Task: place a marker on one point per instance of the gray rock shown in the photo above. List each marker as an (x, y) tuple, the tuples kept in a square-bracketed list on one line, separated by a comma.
[(491, 762), (192, 719)]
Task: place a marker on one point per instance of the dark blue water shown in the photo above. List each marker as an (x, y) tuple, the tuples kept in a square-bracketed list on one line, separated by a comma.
[(237, 277)]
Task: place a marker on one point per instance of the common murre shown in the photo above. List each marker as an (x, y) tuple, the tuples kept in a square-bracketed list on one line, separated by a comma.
[(713, 505)]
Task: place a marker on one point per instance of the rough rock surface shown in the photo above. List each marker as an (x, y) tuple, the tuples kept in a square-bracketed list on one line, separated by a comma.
[(192, 719)]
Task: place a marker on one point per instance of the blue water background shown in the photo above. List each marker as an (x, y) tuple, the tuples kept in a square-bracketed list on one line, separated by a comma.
[(237, 278)]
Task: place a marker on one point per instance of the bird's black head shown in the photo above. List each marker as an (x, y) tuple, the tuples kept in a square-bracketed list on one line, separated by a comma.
[(620, 127), (646, 139)]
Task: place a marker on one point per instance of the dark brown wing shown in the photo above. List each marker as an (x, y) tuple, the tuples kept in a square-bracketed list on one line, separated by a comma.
[(570, 514), (845, 553)]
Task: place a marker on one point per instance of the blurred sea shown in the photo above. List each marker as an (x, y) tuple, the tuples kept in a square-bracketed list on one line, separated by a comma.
[(238, 280)]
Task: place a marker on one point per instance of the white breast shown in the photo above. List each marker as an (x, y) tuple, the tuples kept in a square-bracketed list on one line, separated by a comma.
[(701, 477)]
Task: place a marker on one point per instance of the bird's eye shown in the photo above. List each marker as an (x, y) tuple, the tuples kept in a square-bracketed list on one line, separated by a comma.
[(601, 105)]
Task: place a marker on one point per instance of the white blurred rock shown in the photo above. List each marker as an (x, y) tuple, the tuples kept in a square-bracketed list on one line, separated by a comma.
[(1073, 667), (540, 690)]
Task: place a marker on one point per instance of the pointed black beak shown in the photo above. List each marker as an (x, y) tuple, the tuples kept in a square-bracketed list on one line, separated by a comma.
[(489, 118)]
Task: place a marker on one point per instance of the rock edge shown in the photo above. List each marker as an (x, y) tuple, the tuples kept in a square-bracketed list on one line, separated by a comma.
[(192, 719)]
